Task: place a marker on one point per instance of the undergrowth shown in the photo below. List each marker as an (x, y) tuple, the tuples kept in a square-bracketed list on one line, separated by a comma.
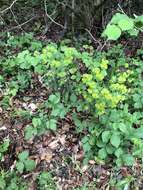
[(102, 92)]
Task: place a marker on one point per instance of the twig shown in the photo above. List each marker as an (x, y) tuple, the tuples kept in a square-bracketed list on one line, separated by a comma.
[(121, 9), (1, 12), (101, 47), (93, 37), (20, 25), (45, 5), (16, 20)]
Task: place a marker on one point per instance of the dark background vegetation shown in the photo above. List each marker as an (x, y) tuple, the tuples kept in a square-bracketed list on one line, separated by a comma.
[(61, 16)]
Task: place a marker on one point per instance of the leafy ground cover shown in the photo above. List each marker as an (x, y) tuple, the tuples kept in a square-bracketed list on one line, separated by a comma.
[(71, 117)]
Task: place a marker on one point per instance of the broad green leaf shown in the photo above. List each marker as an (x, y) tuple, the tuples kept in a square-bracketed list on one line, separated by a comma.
[(54, 98), (115, 140), (110, 149), (29, 165), (23, 155), (112, 32), (4, 146), (86, 147), (123, 127), (20, 167), (30, 132), (73, 98), (85, 139), (118, 152), (36, 122), (133, 32), (102, 153), (119, 162), (139, 19), (105, 136), (117, 17), (59, 110), (52, 124), (126, 24), (128, 159), (2, 183)]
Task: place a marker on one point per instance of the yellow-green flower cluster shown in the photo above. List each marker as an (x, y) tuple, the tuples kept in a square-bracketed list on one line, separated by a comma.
[(104, 94), (60, 62), (104, 64), (48, 53)]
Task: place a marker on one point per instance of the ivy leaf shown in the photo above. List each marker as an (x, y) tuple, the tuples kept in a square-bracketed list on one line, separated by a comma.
[(112, 32), (115, 140)]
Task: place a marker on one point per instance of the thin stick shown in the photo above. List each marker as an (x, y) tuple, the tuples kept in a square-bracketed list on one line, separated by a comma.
[(1, 12), (93, 37), (20, 25), (45, 5)]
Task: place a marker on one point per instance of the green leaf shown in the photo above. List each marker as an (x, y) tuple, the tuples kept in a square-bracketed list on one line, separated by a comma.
[(105, 136), (2, 183), (59, 110), (126, 24), (20, 167), (85, 139), (110, 149), (112, 32), (133, 32), (55, 99), (115, 140), (118, 152), (86, 147), (128, 159), (4, 146), (123, 127), (52, 124), (29, 165), (23, 155), (36, 122), (73, 98), (102, 153), (119, 162), (30, 132), (117, 17)]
